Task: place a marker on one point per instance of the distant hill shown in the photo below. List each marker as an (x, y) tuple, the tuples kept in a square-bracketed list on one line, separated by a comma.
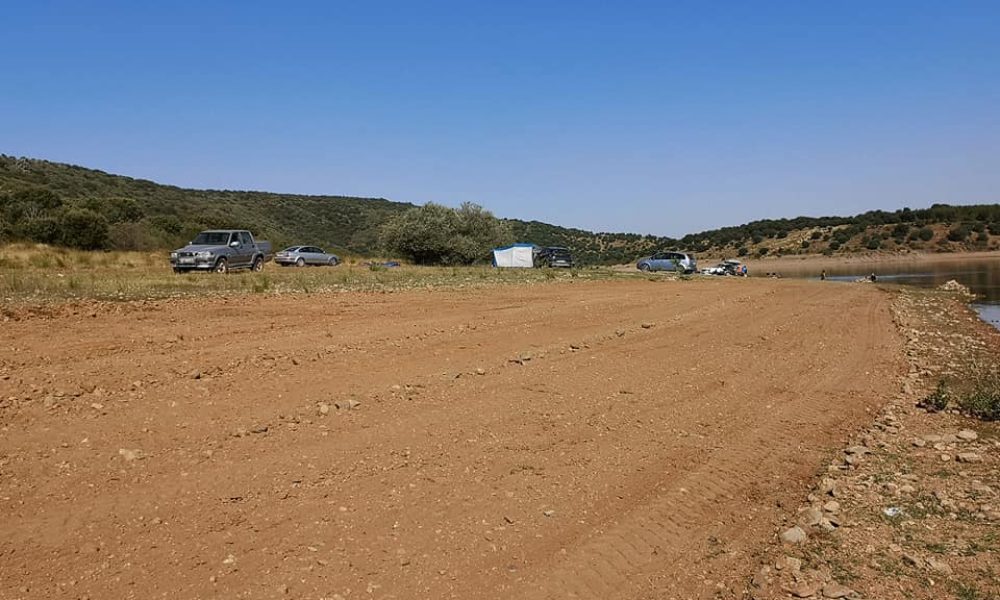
[(141, 214), (46, 201), (940, 228)]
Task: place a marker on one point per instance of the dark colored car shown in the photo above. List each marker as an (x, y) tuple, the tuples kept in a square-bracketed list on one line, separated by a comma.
[(554, 256)]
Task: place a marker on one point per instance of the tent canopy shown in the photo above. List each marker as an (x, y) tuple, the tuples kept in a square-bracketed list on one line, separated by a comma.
[(516, 256)]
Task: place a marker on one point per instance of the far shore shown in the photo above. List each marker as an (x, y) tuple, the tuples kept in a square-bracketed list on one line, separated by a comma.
[(873, 261)]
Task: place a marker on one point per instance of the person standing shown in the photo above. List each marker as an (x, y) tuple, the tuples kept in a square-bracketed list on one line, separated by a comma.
[(822, 275)]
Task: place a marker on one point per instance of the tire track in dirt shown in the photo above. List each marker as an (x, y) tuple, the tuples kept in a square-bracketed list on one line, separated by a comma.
[(594, 433)]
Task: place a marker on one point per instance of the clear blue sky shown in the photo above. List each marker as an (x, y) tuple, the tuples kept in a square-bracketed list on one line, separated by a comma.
[(652, 117)]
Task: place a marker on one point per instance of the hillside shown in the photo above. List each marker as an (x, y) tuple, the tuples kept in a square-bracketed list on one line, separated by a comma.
[(141, 214), (46, 202)]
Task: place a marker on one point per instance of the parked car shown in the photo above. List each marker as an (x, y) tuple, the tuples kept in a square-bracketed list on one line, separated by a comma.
[(553, 257), (726, 267), (301, 256), (221, 250), (668, 261)]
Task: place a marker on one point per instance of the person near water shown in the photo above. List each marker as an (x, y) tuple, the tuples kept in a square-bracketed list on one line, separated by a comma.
[(873, 278), (822, 275), (744, 270)]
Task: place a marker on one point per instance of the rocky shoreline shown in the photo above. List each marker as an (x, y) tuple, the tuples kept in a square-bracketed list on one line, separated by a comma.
[(910, 508)]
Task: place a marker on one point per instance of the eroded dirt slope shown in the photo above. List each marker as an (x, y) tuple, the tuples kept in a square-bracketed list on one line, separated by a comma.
[(595, 440)]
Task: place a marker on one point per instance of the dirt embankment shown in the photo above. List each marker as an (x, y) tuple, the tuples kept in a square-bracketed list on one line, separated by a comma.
[(599, 439)]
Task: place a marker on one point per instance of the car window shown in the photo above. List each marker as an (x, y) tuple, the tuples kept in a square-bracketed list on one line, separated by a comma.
[(318, 251), (234, 237), (245, 237)]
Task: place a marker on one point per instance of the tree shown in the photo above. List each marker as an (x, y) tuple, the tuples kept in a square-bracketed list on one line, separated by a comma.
[(83, 228), (436, 234)]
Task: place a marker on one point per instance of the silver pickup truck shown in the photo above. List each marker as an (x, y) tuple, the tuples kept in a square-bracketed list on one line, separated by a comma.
[(221, 250)]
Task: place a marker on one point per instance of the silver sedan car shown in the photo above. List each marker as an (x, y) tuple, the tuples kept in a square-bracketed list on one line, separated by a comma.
[(301, 256)]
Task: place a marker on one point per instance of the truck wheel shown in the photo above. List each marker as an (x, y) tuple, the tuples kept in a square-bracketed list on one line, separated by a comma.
[(258, 264), (222, 266), (300, 263)]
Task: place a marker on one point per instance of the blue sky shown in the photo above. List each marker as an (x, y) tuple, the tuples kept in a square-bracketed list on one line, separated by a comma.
[(651, 117)]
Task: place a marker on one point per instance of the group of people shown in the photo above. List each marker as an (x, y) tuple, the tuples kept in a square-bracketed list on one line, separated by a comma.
[(872, 278)]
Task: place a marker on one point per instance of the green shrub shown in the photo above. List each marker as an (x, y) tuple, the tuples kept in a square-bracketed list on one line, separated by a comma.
[(436, 234), (925, 234), (982, 398), (937, 400)]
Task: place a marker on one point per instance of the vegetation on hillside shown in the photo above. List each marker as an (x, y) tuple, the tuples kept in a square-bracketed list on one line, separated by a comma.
[(65, 205)]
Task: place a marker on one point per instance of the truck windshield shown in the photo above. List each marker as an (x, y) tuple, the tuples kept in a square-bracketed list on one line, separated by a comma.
[(212, 238)]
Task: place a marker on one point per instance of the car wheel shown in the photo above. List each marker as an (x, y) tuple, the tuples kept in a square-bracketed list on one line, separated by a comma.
[(334, 262), (258, 264), (300, 263), (222, 266), (178, 271), (644, 268)]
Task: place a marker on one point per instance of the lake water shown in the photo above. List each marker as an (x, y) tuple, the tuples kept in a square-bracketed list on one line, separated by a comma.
[(981, 274)]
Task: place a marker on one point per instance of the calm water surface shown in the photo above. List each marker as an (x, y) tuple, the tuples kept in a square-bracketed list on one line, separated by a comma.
[(980, 274)]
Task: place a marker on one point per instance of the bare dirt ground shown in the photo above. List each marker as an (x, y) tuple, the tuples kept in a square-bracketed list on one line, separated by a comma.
[(639, 439)]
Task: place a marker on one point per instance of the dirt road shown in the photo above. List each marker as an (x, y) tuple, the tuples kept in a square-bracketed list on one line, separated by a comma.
[(583, 439)]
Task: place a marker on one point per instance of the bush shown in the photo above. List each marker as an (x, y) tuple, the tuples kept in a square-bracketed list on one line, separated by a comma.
[(937, 400), (436, 234), (816, 235), (982, 399), (925, 234), (742, 251), (804, 245), (959, 233), (874, 244), (84, 229), (834, 245)]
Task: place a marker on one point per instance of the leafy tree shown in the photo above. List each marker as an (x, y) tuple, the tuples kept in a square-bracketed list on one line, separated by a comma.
[(436, 234), (83, 228)]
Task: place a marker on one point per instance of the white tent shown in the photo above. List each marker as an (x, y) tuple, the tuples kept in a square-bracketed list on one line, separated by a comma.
[(518, 256)]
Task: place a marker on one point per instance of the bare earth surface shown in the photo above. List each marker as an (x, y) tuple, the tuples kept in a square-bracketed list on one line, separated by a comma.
[(639, 439)]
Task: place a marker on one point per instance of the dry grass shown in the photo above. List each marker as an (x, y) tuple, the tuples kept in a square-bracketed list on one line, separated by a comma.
[(38, 273)]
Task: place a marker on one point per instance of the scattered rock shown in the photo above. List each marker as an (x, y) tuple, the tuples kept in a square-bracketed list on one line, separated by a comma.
[(968, 457), (803, 589), (794, 535), (832, 506), (938, 566), (195, 374), (130, 455), (348, 404), (836, 590), (549, 513), (967, 435), (620, 332), (323, 408), (647, 325), (810, 517)]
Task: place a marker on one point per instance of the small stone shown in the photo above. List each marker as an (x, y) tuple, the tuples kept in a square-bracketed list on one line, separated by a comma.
[(324, 408), (919, 443), (195, 374), (620, 332), (945, 458), (549, 513), (836, 590), (346, 404), (968, 435), (810, 516), (282, 589), (968, 457), (832, 506), (794, 535), (938, 566), (130, 455), (647, 325), (803, 589), (480, 371), (229, 560)]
